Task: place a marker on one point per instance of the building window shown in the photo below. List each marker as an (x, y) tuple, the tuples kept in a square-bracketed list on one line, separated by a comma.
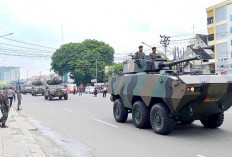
[(231, 30), (210, 20), (231, 55), (230, 17)]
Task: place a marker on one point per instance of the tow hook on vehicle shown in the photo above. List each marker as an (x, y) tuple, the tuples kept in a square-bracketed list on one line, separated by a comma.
[(222, 107), (191, 111)]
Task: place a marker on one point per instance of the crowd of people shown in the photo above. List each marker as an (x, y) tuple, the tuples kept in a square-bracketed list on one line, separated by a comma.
[(7, 95), (97, 89)]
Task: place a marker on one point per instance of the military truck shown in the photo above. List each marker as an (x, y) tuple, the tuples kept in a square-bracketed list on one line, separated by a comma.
[(159, 97), (38, 90), (58, 90)]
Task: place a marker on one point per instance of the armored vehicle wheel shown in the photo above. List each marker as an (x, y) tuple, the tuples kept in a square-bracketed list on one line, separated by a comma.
[(60, 97), (66, 97), (160, 121), (35, 94), (120, 112), (214, 121), (45, 97), (50, 97), (140, 115)]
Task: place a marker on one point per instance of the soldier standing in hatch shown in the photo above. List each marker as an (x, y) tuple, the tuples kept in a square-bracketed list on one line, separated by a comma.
[(140, 54), (4, 106), (153, 54), (19, 97)]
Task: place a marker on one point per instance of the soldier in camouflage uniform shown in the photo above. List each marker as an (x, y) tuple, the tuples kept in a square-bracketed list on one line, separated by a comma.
[(140, 54), (19, 97), (153, 54), (4, 106)]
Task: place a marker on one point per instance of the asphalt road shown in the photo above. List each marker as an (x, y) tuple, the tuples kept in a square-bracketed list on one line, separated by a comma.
[(89, 120)]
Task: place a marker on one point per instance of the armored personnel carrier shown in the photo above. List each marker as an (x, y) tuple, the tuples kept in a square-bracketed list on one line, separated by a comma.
[(158, 97), (37, 88), (55, 88)]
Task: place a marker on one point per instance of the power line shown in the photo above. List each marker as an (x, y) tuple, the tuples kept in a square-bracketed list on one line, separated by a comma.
[(27, 48), (28, 43)]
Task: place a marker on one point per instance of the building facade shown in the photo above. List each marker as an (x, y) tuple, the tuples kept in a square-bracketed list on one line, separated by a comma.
[(219, 20), (199, 47), (9, 74)]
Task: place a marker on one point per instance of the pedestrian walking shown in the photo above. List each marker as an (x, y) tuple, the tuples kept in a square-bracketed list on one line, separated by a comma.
[(74, 90), (80, 91), (10, 95), (104, 91), (19, 97), (4, 106)]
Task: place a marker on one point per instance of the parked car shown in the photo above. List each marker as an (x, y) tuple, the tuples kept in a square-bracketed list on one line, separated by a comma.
[(89, 89)]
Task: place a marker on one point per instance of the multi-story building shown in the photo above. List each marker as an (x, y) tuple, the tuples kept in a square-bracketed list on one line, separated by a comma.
[(219, 18), (9, 74)]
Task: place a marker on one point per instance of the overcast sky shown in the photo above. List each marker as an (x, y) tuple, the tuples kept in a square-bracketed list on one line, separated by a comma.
[(123, 24)]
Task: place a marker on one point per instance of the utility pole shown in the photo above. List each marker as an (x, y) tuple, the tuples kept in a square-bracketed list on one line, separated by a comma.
[(96, 70), (165, 40), (62, 34)]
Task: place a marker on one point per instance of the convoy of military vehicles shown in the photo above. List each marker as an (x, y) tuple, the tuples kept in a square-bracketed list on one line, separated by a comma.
[(159, 97)]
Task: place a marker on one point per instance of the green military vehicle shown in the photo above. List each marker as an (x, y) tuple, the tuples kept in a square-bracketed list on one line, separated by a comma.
[(27, 89), (52, 91), (38, 90), (158, 97)]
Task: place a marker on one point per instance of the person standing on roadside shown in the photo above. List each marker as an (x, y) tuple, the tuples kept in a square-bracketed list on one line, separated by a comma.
[(14, 94), (10, 95), (19, 97), (74, 90), (80, 91), (4, 106), (104, 91)]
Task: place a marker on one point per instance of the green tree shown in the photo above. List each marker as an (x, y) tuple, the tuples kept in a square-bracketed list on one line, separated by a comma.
[(80, 60), (113, 70)]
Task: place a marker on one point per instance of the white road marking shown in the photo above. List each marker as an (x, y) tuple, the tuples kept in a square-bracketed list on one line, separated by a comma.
[(199, 155), (68, 110), (105, 123), (49, 104)]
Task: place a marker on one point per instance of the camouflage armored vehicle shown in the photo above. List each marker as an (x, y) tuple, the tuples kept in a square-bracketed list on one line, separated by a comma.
[(38, 88), (27, 89), (157, 96), (56, 91), (55, 88)]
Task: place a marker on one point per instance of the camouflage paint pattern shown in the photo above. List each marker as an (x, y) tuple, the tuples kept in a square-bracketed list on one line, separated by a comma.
[(213, 93)]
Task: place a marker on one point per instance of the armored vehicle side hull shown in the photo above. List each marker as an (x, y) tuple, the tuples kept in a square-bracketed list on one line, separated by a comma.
[(187, 98), (38, 90), (55, 91)]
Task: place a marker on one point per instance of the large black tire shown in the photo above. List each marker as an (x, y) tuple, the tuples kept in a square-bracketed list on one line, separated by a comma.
[(45, 97), (49, 97), (214, 121), (66, 97), (120, 112), (140, 115), (160, 119), (60, 97)]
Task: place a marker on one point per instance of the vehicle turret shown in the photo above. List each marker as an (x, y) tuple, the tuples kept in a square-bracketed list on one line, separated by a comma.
[(150, 65)]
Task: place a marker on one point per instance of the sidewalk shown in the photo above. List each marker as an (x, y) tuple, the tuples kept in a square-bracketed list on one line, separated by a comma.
[(22, 139)]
